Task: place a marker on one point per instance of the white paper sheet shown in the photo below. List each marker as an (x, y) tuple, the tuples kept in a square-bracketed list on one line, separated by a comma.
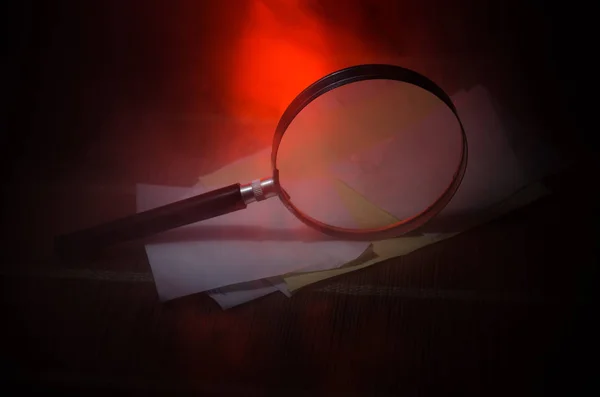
[(234, 295), (261, 241)]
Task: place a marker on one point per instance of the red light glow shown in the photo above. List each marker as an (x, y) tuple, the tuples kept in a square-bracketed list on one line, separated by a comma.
[(275, 59)]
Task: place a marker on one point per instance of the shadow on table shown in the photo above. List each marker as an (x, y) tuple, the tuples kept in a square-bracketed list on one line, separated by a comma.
[(444, 224)]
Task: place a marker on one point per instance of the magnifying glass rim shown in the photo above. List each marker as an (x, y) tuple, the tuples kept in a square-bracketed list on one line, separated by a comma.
[(355, 74)]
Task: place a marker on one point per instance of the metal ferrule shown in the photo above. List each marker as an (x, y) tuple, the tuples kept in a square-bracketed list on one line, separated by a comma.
[(258, 190)]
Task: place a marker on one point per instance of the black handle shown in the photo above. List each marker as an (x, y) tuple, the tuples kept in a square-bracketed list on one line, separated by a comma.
[(144, 224)]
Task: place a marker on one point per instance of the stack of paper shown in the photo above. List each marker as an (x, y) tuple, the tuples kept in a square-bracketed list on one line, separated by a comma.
[(264, 249)]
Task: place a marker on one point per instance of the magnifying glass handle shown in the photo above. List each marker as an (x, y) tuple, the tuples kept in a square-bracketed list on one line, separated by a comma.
[(144, 224)]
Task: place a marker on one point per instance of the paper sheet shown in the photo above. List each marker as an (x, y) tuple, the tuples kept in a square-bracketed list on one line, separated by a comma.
[(265, 240), (234, 295)]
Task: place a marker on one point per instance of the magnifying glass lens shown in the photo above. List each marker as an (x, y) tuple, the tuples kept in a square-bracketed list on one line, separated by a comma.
[(369, 154)]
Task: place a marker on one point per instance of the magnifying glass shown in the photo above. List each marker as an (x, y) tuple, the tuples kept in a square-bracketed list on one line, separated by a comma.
[(377, 134)]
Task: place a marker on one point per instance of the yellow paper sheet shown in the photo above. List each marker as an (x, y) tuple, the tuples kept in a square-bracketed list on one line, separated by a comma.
[(366, 215), (401, 246)]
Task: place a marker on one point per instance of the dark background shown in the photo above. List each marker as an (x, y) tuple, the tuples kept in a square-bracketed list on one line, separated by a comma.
[(70, 64)]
